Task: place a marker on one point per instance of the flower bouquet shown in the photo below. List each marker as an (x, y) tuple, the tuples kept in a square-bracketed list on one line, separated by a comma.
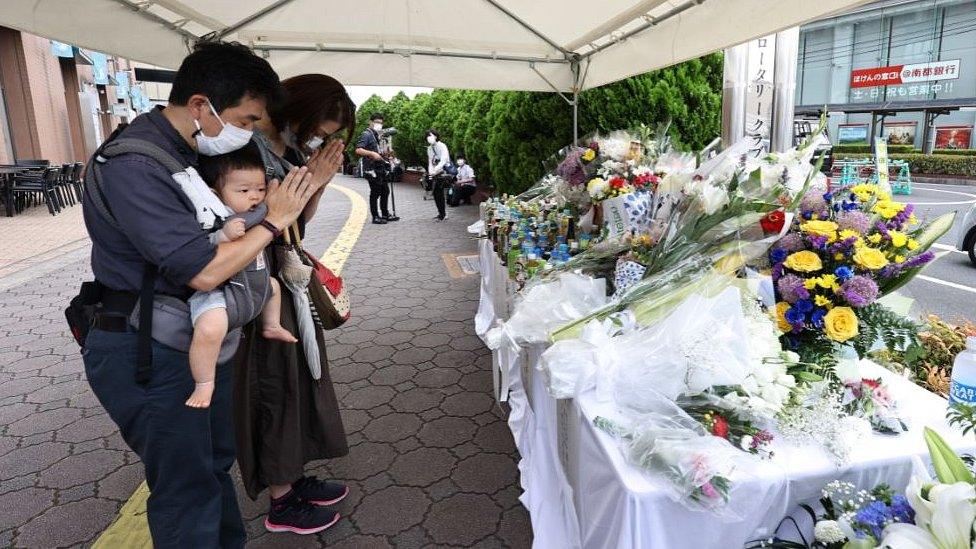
[(845, 250)]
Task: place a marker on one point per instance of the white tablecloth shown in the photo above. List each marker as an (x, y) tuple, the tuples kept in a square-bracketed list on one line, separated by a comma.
[(581, 492)]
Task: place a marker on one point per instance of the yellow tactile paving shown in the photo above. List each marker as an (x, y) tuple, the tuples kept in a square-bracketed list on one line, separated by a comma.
[(131, 529)]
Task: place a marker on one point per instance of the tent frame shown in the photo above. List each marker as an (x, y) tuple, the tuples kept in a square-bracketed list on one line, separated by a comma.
[(572, 59)]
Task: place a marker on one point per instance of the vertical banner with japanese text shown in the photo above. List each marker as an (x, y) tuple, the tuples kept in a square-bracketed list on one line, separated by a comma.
[(759, 95), (881, 163)]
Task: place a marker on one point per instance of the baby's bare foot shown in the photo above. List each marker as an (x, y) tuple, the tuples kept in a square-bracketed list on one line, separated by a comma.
[(279, 333), (200, 398)]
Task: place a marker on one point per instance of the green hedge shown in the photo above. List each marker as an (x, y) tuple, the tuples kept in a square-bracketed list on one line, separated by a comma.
[(929, 164), (860, 149), (956, 152)]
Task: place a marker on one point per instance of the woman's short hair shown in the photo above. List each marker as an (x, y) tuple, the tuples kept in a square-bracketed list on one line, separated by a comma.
[(310, 100)]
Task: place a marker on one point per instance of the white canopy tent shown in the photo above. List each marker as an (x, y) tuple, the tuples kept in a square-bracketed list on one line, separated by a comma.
[(539, 45)]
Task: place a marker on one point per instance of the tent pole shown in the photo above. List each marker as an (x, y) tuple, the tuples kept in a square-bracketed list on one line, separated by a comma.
[(575, 116)]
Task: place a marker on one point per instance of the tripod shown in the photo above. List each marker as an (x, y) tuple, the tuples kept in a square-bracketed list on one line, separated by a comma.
[(388, 176)]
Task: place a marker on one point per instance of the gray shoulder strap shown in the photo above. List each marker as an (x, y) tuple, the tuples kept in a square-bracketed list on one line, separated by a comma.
[(138, 146), (93, 176)]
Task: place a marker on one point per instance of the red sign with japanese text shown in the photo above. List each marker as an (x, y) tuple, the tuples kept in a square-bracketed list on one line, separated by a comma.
[(904, 74)]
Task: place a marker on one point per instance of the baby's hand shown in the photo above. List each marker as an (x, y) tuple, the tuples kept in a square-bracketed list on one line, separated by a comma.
[(234, 228)]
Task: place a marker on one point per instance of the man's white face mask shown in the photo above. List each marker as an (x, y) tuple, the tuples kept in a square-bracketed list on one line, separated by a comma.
[(228, 140), (377, 126)]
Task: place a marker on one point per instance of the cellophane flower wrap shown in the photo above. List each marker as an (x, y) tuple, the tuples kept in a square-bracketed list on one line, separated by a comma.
[(845, 250), (705, 222), (664, 440)]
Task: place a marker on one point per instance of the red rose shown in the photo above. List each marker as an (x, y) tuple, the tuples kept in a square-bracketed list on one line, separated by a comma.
[(872, 383), (773, 222), (720, 427), (617, 182), (595, 146)]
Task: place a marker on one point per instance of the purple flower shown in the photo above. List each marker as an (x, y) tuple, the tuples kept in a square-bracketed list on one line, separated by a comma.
[(792, 242), (859, 291), (893, 269), (813, 202), (855, 221), (777, 271), (788, 286), (571, 168), (817, 241), (883, 230)]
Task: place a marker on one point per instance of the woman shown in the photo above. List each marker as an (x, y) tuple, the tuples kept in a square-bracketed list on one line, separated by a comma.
[(440, 169), (285, 418)]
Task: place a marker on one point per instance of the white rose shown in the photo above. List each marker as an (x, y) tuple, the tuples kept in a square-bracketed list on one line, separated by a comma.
[(712, 197), (746, 443)]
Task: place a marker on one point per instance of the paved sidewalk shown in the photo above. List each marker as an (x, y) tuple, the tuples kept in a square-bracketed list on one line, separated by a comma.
[(32, 237), (431, 463)]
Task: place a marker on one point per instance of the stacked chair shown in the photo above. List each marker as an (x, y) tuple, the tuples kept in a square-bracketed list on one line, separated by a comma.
[(56, 187)]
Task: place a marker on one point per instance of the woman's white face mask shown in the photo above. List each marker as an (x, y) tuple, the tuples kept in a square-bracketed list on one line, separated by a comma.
[(314, 142), (431, 139), (460, 162), (228, 140)]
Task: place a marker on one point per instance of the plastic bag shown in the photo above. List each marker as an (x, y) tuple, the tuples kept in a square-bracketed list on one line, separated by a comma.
[(544, 307)]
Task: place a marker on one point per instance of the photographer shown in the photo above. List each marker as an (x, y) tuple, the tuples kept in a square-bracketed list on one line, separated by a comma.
[(465, 186), (376, 170)]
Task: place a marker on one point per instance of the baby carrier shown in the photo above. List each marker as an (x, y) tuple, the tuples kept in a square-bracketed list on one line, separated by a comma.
[(167, 317)]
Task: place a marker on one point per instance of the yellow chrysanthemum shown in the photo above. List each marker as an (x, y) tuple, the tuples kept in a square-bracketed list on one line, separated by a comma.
[(781, 321), (822, 301), (870, 258), (840, 324), (888, 208), (864, 191), (874, 238), (912, 244), (899, 259), (827, 281), (838, 256), (589, 155), (804, 261), (849, 233), (811, 283), (898, 238)]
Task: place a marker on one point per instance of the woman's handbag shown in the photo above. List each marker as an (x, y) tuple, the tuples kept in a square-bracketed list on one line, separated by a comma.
[(329, 299)]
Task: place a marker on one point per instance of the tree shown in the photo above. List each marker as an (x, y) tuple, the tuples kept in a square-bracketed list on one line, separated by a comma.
[(508, 136)]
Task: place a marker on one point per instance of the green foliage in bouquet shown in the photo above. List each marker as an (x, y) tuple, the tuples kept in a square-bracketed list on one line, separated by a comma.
[(930, 362)]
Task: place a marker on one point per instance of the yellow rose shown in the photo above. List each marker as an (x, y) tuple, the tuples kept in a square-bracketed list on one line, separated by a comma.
[(875, 238), (781, 322), (840, 323), (912, 244), (821, 301), (811, 283), (820, 228), (804, 261), (898, 239), (870, 258), (589, 155)]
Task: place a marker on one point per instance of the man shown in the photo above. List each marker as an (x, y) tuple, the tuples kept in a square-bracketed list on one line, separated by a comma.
[(375, 168), (218, 93), (466, 185)]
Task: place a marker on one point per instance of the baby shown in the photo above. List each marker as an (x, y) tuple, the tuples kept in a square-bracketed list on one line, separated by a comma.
[(238, 179)]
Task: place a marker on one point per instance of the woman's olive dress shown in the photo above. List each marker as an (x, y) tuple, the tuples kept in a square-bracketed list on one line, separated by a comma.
[(283, 418)]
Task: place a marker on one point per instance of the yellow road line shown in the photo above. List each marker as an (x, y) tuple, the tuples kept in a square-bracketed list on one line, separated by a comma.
[(335, 257), (130, 529)]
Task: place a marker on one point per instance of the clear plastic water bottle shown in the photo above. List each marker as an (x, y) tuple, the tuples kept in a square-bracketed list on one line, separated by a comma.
[(963, 387)]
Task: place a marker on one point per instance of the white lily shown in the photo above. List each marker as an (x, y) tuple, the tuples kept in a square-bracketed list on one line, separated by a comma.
[(944, 516)]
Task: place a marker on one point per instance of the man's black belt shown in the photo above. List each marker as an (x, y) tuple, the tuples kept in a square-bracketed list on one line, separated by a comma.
[(111, 322)]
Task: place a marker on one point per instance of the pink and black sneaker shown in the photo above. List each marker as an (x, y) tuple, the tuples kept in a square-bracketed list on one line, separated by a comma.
[(320, 492), (290, 513)]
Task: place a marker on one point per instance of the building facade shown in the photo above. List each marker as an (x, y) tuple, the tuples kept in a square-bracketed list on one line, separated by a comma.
[(904, 70), (59, 102)]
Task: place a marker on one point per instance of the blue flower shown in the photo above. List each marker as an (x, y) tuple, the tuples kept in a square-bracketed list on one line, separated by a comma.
[(836, 207), (828, 196), (804, 305), (778, 255), (817, 317), (848, 206), (873, 516), (901, 510), (843, 272), (794, 315), (807, 215)]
